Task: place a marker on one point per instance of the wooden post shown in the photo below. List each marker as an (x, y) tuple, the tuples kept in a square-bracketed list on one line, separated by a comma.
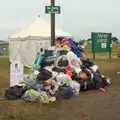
[(52, 25)]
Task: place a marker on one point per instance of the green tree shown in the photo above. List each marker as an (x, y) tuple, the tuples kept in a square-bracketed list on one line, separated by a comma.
[(115, 39)]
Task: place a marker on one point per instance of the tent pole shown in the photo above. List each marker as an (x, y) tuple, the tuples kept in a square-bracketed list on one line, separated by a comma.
[(52, 25)]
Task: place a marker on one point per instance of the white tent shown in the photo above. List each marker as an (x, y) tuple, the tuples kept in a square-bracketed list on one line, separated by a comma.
[(25, 44)]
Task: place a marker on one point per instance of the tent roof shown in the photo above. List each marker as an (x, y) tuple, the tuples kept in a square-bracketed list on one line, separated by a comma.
[(40, 28)]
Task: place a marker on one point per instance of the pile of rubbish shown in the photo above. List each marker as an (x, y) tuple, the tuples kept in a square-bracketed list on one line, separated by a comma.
[(59, 72)]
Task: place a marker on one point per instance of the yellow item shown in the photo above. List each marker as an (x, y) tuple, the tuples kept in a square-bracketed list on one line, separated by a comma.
[(65, 47)]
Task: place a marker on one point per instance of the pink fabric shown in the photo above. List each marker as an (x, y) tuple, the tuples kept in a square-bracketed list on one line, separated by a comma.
[(66, 42)]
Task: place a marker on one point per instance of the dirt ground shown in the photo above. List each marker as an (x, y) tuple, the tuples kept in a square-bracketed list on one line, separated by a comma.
[(92, 105)]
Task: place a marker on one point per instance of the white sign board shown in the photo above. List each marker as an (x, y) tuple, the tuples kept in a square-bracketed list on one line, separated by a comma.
[(103, 45), (16, 72)]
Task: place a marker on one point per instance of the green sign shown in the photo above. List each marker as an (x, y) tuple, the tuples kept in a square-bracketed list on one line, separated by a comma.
[(52, 9), (101, 43)]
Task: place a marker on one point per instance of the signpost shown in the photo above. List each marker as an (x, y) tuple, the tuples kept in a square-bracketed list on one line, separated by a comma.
[(101, 43), (52, 10)]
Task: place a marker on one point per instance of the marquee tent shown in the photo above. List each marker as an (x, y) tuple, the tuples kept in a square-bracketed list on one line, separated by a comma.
[(24, 45)]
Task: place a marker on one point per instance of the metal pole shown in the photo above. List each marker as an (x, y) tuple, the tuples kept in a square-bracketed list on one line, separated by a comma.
[(52, 25)]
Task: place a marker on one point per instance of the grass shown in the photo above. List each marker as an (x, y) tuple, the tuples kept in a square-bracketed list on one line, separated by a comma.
[(98, 55), (78, 106)]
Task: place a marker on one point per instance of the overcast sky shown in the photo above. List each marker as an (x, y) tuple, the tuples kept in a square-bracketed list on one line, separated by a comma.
[(78, 17)]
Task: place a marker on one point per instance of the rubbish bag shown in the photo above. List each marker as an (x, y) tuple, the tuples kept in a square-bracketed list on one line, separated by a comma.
[(94, 68), (31, 96), (98, 79), (63, 79), (44, 75), (66, 92), (74, 62), (70, 56), (15, 92), (86, 85), (44, 98), (30, 84), (75, 87)]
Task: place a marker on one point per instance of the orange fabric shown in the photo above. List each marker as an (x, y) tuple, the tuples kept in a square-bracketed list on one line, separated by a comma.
[(48, 82), (58, 45)]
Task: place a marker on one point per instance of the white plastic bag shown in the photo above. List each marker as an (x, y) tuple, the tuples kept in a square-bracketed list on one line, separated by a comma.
[(74, 61), (70, 56), (75, 86), (63, 78)]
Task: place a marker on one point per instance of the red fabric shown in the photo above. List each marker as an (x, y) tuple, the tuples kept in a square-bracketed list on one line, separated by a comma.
[(68, 72)]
